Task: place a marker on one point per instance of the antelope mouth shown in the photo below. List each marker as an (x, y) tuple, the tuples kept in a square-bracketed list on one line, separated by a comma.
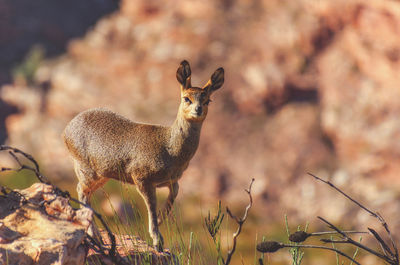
[(196, 116)]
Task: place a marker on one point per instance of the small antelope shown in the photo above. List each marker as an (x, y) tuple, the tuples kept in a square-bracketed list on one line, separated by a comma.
[(105, 145)]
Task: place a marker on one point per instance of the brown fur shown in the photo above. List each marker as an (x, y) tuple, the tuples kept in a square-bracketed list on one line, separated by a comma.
[(106, 145)]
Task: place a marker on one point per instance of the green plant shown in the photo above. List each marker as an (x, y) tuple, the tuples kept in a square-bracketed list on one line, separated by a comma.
[(389, 254), (213, 225), (26, 70), (295, 251)]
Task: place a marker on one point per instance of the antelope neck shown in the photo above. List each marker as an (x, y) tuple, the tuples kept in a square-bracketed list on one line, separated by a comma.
[(184, 137)]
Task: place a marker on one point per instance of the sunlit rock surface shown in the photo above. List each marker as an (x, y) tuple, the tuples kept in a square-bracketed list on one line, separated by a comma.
[(44, 229)]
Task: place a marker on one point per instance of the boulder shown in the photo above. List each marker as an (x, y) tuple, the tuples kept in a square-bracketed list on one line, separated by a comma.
[(133, 250), (39, 227)]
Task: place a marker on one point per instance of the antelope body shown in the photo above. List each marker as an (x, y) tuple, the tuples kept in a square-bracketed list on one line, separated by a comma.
[(105, 145)]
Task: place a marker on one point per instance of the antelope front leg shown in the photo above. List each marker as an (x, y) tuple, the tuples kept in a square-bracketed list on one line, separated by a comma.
[(173, 192), (148, 193)]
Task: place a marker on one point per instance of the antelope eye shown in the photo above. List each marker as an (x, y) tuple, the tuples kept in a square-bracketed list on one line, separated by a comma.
[(187, 100)]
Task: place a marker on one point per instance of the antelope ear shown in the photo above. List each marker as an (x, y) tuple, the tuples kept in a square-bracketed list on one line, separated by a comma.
[(216, 80), (183, 74)]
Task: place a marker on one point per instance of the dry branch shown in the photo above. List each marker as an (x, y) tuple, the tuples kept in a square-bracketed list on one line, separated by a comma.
[(390, 254), (273, 246), (240, 222), (93, 244)]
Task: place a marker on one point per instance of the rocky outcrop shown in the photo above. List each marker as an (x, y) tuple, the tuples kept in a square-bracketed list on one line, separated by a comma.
[(359, 89), (48, 25), (133, 250), (39, 227)]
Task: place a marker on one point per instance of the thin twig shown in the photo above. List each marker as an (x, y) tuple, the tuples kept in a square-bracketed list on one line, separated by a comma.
[(349, 240), (13, 151), (344, 194), (240, 222), (273, 246), (331, 249), (385, 248), (98, 248), (333, 232), (111, 236), (35, 169), (394, 257)]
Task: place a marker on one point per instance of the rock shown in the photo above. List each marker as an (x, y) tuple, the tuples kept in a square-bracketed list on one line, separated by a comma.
[(359, 88), (6, 234), (39, 227), (139, 252)]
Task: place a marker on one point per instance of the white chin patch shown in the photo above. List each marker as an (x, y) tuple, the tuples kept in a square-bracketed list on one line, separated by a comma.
[(195, 116)]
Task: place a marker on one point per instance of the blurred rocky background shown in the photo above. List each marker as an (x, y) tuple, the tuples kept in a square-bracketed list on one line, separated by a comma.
[(311, 86)]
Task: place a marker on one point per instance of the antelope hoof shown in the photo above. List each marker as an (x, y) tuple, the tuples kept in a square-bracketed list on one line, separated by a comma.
[(158, 242)]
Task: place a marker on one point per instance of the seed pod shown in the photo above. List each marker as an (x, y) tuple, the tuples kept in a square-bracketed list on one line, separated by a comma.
[(299, 236), (269, 246)]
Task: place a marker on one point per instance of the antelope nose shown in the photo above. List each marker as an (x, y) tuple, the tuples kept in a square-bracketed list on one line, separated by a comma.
[(198, 110)]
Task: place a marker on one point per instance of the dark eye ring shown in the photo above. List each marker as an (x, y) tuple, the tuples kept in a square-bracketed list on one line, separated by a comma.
[(187, 100)]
